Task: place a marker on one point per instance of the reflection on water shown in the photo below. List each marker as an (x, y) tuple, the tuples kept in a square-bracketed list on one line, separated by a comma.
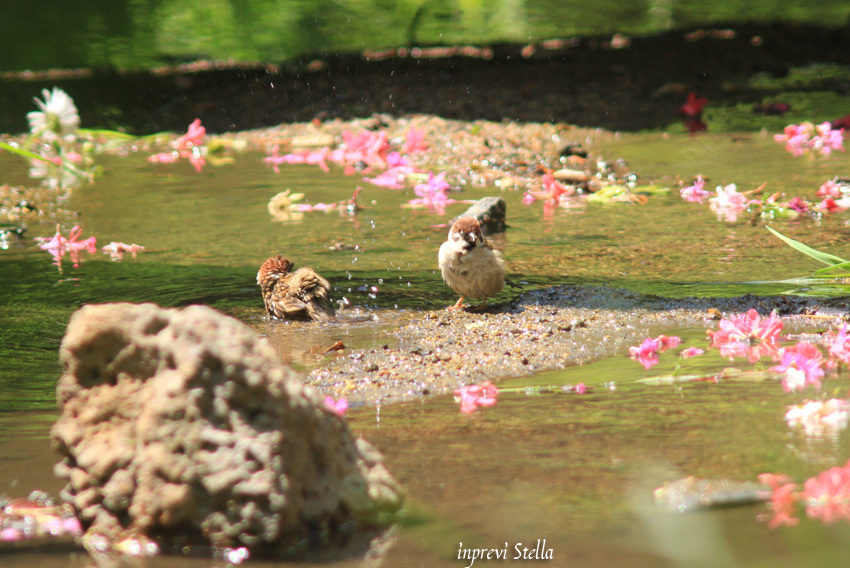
[(130, 35)]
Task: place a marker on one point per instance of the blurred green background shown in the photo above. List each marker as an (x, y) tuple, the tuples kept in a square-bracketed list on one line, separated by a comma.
[(138, 34)]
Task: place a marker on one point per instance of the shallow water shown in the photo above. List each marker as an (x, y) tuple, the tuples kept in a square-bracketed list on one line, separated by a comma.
[(575, 470)]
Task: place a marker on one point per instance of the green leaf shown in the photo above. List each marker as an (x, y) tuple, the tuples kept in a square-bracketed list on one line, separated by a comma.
[(23, 153), (824, 257), (824, 271), (111, 134)]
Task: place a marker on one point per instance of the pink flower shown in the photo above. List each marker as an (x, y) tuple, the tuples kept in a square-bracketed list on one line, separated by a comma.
[(432, 194), (195, 157), (193, 137), (798, 205), (801, 365), (73, 526), (782, 499), (398, 169), (647, 353), (59, 245), (691, 352), (314, 157), (827, 495), (366, 146), (11, 534), (164, 158), (839, 345), (728, 203), (746, 326), (806, 137), (695, 193), (668, 342), (415, 142), (338, 407), (555, 189), (527, 198), (473, 396), (829, 205), (828, 139), (116, 250), (693, 106), (829, 189)]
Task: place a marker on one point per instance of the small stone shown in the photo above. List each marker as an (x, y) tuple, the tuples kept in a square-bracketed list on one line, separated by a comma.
[(490, 213)]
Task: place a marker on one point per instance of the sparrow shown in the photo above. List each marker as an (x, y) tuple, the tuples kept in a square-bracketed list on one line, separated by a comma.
[(301, 295), (469, 263)]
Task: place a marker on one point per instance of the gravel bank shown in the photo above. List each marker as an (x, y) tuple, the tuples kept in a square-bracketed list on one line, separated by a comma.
[(435, 352)]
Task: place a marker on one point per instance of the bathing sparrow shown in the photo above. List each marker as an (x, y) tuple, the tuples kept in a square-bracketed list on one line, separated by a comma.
[(302, 294), (469, 263)]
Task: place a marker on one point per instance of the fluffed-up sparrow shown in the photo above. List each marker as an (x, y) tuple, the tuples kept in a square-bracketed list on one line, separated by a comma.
[(301, 294), (469, 263)]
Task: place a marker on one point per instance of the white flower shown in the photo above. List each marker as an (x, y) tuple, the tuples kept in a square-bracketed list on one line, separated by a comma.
[(58, 115), (820, 419)]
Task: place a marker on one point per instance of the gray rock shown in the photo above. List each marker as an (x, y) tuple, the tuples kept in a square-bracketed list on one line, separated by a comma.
[(183, 427), (490, 212)]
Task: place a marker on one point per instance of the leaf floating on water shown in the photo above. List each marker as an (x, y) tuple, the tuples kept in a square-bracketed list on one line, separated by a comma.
[(729, 373), (674, 379), (694, 493)]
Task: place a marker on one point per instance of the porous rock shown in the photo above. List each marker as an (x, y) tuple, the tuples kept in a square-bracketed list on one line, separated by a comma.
[(182, 426)]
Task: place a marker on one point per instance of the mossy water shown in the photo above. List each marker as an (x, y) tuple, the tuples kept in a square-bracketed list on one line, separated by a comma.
[(574, 470)]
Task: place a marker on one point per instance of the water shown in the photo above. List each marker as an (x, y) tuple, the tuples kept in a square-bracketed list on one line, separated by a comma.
[(575, 470)]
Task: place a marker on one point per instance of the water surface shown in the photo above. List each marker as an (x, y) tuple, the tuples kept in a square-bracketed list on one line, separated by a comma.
[(575, 470)]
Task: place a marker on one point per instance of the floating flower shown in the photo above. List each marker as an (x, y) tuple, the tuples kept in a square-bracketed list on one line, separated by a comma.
[(398, 170), (164, 158), (313, 157), (747, 326), (691, 352), (415, 142), (473, 396), (728, 203), (646, 353), (801, 365), (806, 137), (433, 193), (57, 118), (819, 419), (839, 345), (58, 245), (366, 146), (830, 205), (338, 407), (735, 336), (695, 193), (827, 495), (782, 499), (116, 250), (194, 136)]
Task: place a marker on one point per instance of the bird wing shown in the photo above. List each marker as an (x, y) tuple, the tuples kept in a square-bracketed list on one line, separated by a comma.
[(313, 291)]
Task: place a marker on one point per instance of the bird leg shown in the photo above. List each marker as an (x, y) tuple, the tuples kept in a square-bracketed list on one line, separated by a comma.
[(458, 305), (479, 308)]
